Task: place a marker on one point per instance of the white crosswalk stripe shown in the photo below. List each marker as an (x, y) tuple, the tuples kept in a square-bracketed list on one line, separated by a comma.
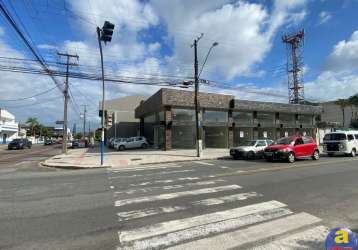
[(175, 195), (206, 202), (175, 225), (213, 217)]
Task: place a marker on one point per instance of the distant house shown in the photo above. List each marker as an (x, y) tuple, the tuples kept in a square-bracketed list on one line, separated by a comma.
[(8, 127)]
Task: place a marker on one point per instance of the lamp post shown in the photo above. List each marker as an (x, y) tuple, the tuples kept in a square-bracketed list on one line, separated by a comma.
[(104, 34), (198, 120)]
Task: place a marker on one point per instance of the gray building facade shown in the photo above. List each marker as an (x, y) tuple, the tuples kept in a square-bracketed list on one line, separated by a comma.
[(167, 118)]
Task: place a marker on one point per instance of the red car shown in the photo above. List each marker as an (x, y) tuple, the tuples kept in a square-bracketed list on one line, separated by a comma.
[(292, 148)]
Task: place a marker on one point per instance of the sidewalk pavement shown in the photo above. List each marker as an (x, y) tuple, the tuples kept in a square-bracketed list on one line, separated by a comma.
[(3, 147), (90, 158)]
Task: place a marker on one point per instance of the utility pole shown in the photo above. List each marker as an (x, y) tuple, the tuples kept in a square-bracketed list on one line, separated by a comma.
[(84, 121), (199, 142), (65, 92)]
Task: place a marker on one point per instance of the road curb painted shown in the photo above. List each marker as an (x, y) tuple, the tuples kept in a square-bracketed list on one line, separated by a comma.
[(72, 166)]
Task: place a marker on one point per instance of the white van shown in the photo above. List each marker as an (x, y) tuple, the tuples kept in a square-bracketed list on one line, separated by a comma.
[(341, 142)]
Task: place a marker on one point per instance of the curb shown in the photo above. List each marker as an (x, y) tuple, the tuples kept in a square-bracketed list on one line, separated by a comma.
[(200, 159), (71, 167)]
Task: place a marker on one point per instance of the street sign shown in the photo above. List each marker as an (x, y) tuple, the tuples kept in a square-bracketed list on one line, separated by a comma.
[(59, 122)]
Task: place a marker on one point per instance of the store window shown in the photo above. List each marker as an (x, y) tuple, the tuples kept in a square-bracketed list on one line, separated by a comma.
[(265, 118), (243, 118), (241, 135), (183, 115), (215, 116), (287, 118), (305, 119), (216, 137)]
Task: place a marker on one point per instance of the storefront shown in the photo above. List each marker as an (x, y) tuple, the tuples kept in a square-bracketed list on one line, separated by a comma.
[(168, 119)]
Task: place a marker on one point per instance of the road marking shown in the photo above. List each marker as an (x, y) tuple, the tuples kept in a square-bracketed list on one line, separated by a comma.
[(175, 225), (111, 187), (151, 174), (143, 168), (175, 195), (206, 230), (204, 163), (135, 214), (312, 239), (169, 187), (172, 180), (252, 234), (228, 198)]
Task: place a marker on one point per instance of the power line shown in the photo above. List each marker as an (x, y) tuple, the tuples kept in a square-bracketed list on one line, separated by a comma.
[(29, 97), (27, 43)]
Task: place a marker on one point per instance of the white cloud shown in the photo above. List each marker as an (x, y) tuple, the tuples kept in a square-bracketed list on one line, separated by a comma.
[(153, 47), (344, 56), (244, 31), (324, 16)]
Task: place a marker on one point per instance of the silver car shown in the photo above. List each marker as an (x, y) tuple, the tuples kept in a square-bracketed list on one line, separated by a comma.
[(133, 142)]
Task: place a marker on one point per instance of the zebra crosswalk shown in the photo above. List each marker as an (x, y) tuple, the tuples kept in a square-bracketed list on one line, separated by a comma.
[(203, 211)]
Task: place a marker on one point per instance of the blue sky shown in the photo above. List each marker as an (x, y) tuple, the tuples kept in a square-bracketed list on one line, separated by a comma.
[(153, 37)]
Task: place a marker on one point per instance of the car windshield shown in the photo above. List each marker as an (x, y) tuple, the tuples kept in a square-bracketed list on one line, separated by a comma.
[(335, 137), (248, 143), (284, 141)]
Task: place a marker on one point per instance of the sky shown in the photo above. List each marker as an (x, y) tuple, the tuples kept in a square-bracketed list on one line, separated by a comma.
[(152, 38)]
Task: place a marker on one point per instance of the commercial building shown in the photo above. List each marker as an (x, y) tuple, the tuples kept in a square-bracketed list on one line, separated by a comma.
[(168, 119), (121, 121), (8, 127)]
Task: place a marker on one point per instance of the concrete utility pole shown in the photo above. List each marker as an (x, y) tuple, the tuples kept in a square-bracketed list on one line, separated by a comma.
[(65, 92), (199, 142), (84, 120)]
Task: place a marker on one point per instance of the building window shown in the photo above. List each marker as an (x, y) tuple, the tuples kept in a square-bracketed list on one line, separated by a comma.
[(265, 118), (305, 119), (183, 115), (215, 116), (243, 118), (149, 119), (287, 118)]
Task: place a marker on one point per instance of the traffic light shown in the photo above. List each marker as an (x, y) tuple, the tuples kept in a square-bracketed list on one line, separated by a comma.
[(107, 31)]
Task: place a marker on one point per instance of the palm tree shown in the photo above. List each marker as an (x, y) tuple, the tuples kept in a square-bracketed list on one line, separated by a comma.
[(353, 101), (342, 103), (32, 122)]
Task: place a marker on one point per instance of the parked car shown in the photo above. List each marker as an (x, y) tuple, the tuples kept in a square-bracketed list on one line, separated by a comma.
[(49, 142), (292, 148), (19, 144), (79, 143), (250, 149), (110, 142), (341, 143), (133, 142), (117, 141)]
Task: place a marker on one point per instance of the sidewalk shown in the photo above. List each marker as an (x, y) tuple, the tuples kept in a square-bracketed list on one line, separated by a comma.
[(3, 147), (90, 158)]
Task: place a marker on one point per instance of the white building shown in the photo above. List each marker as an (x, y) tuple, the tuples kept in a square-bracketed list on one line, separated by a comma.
[(8, 127)]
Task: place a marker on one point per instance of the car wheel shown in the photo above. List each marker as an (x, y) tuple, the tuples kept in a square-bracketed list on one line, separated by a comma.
[(121, 148), (315, 155), (250, 155), (353, 153), (291, 157), (144, 145)]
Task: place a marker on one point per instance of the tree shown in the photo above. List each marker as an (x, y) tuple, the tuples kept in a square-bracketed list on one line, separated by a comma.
[(78, 136), (354, 124), (32, 122), (342, 103), (353, 102)]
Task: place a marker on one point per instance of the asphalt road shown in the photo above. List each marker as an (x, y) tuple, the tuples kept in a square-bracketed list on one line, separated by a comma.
[(189, 205)]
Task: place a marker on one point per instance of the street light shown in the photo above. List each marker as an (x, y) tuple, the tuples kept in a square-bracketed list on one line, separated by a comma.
[(198, 123), (207, 55), (105, 35)]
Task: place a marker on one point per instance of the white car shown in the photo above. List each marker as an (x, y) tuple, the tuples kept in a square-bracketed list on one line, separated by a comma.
[(250, 149), (341, 142), (117, 142), (133, 142)]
